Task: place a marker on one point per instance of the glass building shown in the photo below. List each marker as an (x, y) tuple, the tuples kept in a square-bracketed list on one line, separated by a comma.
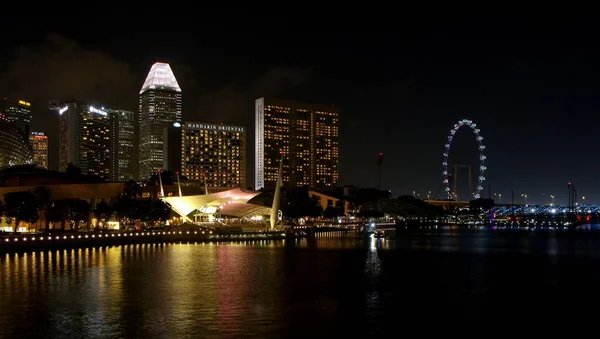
[(307, 135), (159, 107), (19, 112), (39, 144), (14, 145), (84, 138), (122, 137)]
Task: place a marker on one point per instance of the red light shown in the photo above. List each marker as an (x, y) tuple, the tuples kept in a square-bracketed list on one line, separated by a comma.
[(569, 183), (380, 154)]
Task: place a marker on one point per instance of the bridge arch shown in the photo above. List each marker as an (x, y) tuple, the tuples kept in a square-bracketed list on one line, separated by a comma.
[(482, 157)]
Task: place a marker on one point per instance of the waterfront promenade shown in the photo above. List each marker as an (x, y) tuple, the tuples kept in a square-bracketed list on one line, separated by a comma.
[(32, 242)]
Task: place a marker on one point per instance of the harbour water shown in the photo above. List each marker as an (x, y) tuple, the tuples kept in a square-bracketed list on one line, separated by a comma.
[(423, 282)]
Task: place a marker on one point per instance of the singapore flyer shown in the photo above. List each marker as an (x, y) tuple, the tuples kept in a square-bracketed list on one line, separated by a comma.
[(446, 173)]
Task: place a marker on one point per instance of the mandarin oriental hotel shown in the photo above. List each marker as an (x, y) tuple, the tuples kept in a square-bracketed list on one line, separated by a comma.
[(211, 152)]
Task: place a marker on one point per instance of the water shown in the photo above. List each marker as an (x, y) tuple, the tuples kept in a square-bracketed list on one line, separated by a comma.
[(423, 283)]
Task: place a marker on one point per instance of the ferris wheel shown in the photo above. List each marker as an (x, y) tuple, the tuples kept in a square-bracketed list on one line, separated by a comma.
[(482, 168)]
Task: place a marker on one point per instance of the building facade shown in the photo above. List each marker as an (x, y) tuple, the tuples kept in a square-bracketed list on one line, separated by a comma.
[(84, 138), (39, 144), (14, 146), (159, 107), (306, 135), (19, 112), (215, 152), (122, 139)]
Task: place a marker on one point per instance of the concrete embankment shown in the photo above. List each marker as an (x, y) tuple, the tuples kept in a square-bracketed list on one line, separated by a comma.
[(34, 242)]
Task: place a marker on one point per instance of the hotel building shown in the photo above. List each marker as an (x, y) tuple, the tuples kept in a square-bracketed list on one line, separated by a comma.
[(159, 108), (216, 151), (84, 138), (122, 140), (39, 143), (19, 112), (307, 135)]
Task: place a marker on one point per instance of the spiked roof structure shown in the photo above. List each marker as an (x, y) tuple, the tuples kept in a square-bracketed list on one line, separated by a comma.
[(233, 202), (160, 77)]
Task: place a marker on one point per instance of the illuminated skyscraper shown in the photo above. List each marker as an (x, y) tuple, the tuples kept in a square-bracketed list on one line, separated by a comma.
[(19, 112), (308, 137), (14, 147), (159, 107), (122, 139), (217, 151), (39, 143), (84, 138)]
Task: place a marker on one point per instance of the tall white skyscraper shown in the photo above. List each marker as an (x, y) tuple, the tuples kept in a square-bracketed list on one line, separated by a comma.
[(160, 107)]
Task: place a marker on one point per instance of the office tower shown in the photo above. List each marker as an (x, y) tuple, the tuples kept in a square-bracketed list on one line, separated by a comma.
[(307, 135), (216, 151), (84, 138), (122, 139), (14, 148), (19, 112), (159, 107), (39, 143)]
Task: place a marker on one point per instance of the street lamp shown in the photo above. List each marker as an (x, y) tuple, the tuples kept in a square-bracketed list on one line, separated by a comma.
[(552, 203), (429, 195), (525, 196), (499, 195)]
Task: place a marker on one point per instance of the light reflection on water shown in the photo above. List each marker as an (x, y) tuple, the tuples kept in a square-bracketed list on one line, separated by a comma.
[(324, 287)]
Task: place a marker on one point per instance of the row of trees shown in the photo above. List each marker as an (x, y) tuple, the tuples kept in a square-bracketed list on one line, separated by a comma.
[(29, 206)]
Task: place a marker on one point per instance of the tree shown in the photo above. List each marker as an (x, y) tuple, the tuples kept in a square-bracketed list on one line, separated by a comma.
[(43, 196), (160, 210), (132, 189), (80, 210), (1, 210), (73, 171), (22, 206), (103, 211), (125, 208), (54, 213), (297, 203), (332, 212)]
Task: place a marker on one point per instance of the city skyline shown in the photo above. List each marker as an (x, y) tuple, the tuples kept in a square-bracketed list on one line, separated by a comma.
[(402, 104)]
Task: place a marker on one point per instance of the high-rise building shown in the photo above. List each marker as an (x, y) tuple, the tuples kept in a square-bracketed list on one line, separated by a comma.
[(159, 107), (84, 138), (14, 147), (307, 135), (19, 112), (215, 151), (39, 143), (122, 139)]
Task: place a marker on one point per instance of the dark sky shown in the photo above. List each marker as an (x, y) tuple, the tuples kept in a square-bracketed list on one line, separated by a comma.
[(533, 92)]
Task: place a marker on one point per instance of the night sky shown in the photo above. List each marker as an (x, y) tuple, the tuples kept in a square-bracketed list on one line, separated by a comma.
[(533, 92)]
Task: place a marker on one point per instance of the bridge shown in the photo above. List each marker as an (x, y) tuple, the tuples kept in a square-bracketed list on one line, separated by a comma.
[(546, 210), (456, 204)]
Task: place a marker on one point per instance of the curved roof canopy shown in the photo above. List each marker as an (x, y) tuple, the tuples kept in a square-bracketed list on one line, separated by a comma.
[(233, 202)]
